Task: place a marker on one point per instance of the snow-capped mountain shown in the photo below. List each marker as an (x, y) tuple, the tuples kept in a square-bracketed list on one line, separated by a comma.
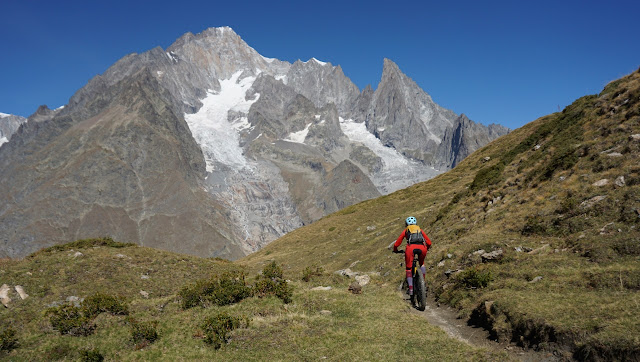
[(9, 125), (212, 149)]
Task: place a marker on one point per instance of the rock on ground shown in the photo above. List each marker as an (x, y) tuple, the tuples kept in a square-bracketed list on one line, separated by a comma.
[(492, 256), (363, 279), (600, 183), (20, 290), (321, 288), (4, 295)]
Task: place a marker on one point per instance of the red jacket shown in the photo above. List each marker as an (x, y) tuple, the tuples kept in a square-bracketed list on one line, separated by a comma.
[(405, 235)]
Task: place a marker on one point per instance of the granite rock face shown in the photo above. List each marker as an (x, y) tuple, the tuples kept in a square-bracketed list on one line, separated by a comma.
[(9, 124), (132, 171), (209, 148), (406, 118)]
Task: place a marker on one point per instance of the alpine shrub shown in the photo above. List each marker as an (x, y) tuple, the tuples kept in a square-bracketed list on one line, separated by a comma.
[(8, 340), (69, 319), (271, 282), (217, 327), (143, 333), (91, 356), (103, 303), (310, 272), (487, 177), (219, 290), (473, 278), (272, 271), (534, 225)]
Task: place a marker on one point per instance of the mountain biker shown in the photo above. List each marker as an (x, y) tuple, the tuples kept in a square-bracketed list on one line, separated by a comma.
[(416, 239)]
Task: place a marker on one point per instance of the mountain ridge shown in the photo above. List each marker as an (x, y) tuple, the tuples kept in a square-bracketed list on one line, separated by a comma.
[(267, 134)]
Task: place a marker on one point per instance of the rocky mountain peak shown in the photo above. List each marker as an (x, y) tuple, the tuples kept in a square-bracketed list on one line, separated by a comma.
[(210, 138), (9, 124), (389, 68), (322, 83), (42, 113)]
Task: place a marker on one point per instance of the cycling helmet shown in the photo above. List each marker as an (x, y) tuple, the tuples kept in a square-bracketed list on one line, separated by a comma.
[(411, 221)]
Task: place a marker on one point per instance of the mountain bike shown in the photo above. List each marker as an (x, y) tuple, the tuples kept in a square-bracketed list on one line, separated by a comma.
[(419, 297)]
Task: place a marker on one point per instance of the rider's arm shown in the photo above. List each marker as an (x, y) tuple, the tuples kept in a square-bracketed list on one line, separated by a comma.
[(399, 241), (426, 239)]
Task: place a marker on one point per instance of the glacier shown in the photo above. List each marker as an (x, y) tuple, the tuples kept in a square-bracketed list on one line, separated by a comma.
[(210, 126)]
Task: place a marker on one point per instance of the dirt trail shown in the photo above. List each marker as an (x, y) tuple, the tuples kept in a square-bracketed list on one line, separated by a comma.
[(446, 318)]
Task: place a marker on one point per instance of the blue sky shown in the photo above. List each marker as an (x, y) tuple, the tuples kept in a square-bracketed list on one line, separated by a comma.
[(506, 62)]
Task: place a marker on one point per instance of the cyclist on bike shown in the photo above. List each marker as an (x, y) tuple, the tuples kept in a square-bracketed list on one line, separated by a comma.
[(416, 239)]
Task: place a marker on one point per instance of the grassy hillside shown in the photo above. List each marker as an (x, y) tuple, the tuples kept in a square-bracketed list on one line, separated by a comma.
[(557, 205), (142, 289)]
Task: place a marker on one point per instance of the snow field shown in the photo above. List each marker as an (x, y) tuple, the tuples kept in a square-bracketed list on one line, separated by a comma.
[(358, 132), (211, 128)]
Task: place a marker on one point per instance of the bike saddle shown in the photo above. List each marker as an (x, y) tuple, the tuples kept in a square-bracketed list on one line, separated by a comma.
[(417, 252)]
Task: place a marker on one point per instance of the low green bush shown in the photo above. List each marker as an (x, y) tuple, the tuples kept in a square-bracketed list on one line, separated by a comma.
[(272, 271), (271, 282), (534, 225), (474, 278), (78, 320), (217, 327), (8, 339), (487, 176), (310, 272), (71, 320), (91, 356), (143, 333), (220, 290), (103, 303)]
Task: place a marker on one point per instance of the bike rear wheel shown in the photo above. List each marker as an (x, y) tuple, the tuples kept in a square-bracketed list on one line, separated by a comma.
[(419, 290)]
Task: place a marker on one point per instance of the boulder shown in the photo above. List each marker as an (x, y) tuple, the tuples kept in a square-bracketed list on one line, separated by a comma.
[(363, 279), (600, 183), (347, 272), (620, 182), (4, 295), (321, 288), (450, 272), (539, 250), (20, 290), (521, 249), (587, 204), (492, 256), (536, 279)]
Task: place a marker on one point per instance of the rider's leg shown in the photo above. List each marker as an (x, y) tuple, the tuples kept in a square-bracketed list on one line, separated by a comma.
[(410, 281), (408, 259)]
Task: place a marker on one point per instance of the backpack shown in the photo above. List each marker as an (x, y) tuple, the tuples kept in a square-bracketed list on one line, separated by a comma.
[(414, 235)]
